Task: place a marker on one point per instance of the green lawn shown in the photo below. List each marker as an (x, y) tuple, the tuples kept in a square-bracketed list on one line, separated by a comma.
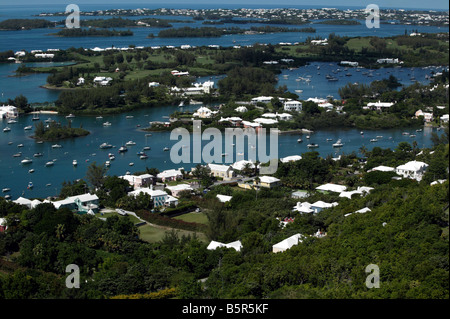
[(153, 234), (193, 217)]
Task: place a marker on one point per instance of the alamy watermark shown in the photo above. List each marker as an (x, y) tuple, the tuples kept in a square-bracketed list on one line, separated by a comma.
[(373, 19), (234, 142), (373, 280), (73, 280), (73, 19)]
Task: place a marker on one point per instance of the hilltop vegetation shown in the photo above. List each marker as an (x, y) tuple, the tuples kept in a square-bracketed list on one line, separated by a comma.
[(405, 234)]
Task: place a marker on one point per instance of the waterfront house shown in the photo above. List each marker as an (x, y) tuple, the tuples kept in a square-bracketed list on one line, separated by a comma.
[(170, 175), (319, 42), (236, 245), (203, 112), (427, 116), (268, 181), (261, 99), (350, 63), (8, 111), (27, 202), (85, 203), (379, 106), (413, 170), (389, 60), (292, 106), (224, 171), (444, 118), (44, 55), (287, 243)]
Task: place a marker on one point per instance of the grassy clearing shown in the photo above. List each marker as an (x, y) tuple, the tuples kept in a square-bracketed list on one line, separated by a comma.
[(154, 234), (193, 218)]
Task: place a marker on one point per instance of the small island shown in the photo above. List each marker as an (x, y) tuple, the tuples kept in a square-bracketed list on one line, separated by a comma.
[(340, 22), (55, 131), (91, 33)]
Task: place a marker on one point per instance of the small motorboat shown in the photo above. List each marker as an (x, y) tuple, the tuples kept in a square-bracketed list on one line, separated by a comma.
[(30, 185), (131, 164), (338, 144), (6, 189), (374, 140), (37, 154), (27, 128), (19, 145), (70, 116), (18, 154), (299, 140), (313, 145), (56, 146), (146, 148), (123, 149), (31, 171), (26, 161), (6, 129), (107, 163), (143, 156), (105, 146), (50, 163), (74, 163), (107, 124), (130, 143), (166, 149)]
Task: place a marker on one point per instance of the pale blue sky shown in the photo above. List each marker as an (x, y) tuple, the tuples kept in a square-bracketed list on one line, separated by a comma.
[(430, 4)]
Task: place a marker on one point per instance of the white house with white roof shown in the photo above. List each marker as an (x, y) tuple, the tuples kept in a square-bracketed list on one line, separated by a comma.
[(329, 187), (379, 106), (236, 245), (261, 99), (8, 111), (292, 106), (382, 168), (240, 165), (170, 175), (203, 112), (360, 211), (319, 206), (223, 198), (176, 189), (291, 158), (287, 243), (361, 190), (413, 170), (303, 208), (241, 109)]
